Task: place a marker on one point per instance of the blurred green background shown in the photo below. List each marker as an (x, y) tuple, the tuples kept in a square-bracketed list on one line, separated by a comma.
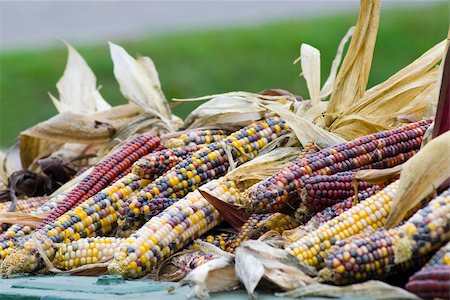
[(204, 62)]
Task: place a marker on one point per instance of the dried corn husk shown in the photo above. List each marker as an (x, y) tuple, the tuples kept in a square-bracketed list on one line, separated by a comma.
[(9, 163), (379, 176), (256, 260), (27, 219), (307, 131), (310, 62), (77, 87), (372, 289), (214, 276), (381, 105), (434, 158), (353, 75), (234, 109), (262, 166), (137, 83)]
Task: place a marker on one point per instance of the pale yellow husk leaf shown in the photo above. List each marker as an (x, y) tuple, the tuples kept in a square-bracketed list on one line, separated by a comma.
[(351, 81)]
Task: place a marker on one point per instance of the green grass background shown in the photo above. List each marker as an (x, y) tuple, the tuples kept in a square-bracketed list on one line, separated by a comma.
[(203, 62)]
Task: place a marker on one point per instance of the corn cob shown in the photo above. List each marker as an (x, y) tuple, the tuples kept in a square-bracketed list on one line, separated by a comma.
[(85, 251), (96, 215), (25, 205), (105, 172), (431, 282), (320, 192), (377, 151), (206, 164), (384, 252), (371, 212), (219, 240), (257, 225), (199, 137), (164, 234), (157, 163)]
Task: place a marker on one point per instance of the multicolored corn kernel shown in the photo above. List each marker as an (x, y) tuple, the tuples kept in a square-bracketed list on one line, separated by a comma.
[(380, 150), (322, 191), (85, 251), (198, 137), (155, 164), (431, 282), (219, 240), (208, 163), (24, 205), (164, 234), (384, 252), (257, 225), (370, 213)]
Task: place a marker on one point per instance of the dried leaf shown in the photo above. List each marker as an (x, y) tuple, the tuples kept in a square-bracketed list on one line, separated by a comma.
[(77, 87), (48, 136), (310, 63), (372, 289), (262, 167), (214, 276), (379, 176), (379, 108), (26, 219), (353, 75), (256, 260), (227, 111), (413, 188), (137, 86), (306, 131), (9, 163)]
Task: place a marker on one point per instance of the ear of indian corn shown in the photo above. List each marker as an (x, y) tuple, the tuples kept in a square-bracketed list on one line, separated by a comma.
[(380, 150), (95, 216), (84, 252), (155, 164), (433, 280), (208, 163), (321, 191), (198, 137), (381, 253), (371, 212), (164, 234), (258, 224)]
